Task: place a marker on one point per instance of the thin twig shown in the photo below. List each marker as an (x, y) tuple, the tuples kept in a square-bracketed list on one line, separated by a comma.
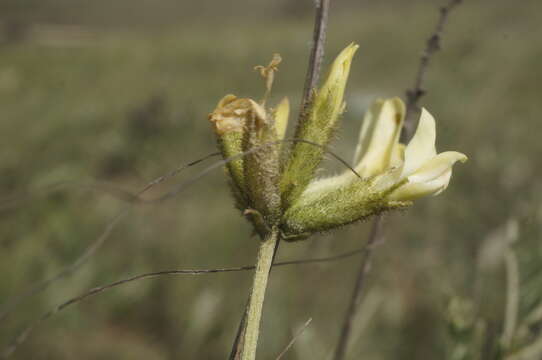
[(355, 301), (413, 97), (40, 286), (121, 194), (317, 51), (183, 185), (18, 299), (432, 45), (135, 198), (294, 339), (94, 291)]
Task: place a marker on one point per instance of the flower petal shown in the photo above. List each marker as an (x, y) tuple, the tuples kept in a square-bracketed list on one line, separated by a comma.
[(398, 156), (281, 117), (437, 166), (431, 179), (392, 175), (379, 136), (414, 190), (421, 147), (367, 128)]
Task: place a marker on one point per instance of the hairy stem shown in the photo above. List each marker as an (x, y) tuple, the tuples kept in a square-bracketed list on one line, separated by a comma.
[(257, 295)]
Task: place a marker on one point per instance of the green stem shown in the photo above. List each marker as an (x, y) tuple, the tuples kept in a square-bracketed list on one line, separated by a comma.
[(257, 295)]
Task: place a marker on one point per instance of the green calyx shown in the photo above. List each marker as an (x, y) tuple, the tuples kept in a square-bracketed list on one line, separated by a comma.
[(261, 168), (335, 206)]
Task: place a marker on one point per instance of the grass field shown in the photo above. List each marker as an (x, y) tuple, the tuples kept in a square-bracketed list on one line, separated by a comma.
[(119, 96)]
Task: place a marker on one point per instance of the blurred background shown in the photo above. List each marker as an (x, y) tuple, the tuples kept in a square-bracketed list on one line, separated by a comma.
[(119, 92)]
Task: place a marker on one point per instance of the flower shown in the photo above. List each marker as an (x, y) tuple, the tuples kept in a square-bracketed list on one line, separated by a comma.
[(281, 190), (417, 167), (392, 174)]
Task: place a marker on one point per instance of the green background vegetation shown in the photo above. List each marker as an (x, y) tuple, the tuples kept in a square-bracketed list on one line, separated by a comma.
[(119, 92)]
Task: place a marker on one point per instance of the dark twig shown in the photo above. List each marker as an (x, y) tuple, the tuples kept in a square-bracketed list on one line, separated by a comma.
[(94, 291), (432, 45), (355, 301), (294, 339), (413, 96), (317, 51)]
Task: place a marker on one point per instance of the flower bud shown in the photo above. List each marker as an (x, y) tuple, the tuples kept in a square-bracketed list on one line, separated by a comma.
[(229, 120), (316, 125)]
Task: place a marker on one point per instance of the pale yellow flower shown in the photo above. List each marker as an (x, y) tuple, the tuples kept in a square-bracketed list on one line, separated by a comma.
[(382, 157), (386, 163), (274, 190)]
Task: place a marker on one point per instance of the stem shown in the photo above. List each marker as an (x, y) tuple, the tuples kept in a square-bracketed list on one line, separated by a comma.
[(257, 295), (311, 80), (355, 300), (432, 46), (317, 52)]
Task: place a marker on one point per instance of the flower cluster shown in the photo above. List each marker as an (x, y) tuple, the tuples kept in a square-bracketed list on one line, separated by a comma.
[(283, 192)]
